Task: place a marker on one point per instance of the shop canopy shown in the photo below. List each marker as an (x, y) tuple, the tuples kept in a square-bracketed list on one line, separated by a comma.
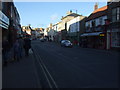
[(91, 34)]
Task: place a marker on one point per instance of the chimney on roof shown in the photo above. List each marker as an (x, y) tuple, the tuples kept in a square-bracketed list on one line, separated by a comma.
[(69, 12), (96, 6), (50, 25)]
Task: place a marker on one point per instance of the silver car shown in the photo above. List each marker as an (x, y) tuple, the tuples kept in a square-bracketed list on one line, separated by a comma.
[(66, 43)]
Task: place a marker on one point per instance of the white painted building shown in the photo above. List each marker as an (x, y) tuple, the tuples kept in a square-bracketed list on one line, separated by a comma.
[(61, 26), (26, 29), (45, 32), (74, 24)]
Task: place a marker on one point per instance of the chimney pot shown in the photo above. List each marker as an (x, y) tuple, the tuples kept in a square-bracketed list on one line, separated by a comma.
[(96, 6)]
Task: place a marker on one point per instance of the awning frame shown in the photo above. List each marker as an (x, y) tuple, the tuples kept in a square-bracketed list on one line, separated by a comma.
[(91, 34)]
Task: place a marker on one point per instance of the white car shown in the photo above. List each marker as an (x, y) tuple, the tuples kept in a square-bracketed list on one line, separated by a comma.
[(42, 40), (66, 43)]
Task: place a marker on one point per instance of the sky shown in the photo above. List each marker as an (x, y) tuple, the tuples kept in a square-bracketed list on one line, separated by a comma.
[(41, 14)]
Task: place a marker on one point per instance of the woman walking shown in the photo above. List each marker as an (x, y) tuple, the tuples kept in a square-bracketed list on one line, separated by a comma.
[(27, 45), (16, 47)]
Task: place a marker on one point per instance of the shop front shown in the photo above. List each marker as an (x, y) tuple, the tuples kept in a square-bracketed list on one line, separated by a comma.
[(4, 25), (114, 39), (93, 40), (72, 36)]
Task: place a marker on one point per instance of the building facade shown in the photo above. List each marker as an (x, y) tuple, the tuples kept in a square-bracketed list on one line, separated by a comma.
[(51, 32), (9, 22), (61, 27), (70, 16), (95, 29), (27, 31), (113, 25), (74, 27)]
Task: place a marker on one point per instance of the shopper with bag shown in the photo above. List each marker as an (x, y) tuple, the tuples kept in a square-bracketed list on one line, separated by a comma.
[(21, 44), (27, 45), (16, 48), (5, 50)]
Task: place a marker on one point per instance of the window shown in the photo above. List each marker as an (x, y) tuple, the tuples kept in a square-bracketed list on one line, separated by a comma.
[(115, 39), (116, 14), (23, 27), (100, 21), (88, 26), (93, 23), (114, 18)]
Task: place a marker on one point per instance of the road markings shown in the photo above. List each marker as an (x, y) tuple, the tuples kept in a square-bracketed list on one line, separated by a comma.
[(36, 74), (50, 76), (44, 68)]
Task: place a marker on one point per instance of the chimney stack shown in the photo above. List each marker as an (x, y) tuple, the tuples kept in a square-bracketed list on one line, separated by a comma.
[(96, 6), (69, 12), (50, 25)]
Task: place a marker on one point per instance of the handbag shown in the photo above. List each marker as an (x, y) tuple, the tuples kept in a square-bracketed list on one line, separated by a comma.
[(30, 51)]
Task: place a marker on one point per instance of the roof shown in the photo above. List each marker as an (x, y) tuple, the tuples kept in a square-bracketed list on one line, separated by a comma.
[(72, 14), (98, 13)]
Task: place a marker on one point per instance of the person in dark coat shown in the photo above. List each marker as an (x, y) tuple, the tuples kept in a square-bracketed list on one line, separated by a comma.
[(27, 45), (16, 47), (5, 50), (21, 44)]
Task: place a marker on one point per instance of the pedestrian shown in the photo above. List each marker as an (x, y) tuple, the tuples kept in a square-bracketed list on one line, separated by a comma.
[(21, 44), (27, 45), (5, 51), (16, 48)]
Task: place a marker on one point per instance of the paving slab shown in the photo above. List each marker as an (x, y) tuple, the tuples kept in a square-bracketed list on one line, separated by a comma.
[(20, 74)]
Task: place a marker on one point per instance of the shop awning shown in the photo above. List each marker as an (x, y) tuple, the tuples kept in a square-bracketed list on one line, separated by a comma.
[(91, 34)]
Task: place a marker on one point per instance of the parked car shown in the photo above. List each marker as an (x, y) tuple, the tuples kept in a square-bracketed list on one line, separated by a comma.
[(66, 43), (42, 40)]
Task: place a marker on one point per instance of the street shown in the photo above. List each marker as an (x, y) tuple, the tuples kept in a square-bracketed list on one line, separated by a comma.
[(67, 45), (60, 67)]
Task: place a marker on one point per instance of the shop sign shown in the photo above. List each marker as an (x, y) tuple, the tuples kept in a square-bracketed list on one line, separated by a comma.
[(4, 20), (3, 25), (102, 34)]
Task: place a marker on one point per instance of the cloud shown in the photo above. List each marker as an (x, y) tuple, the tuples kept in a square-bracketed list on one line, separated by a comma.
[(54, 17)]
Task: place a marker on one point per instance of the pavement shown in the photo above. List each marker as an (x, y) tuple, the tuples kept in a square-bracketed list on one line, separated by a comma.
[(20, 74)]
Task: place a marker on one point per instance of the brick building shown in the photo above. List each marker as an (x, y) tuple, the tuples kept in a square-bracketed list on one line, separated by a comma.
[(113, 25), (10, 22), (95, 33)]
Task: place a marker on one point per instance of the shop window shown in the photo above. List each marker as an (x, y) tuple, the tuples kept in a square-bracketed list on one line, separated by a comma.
[(116, 39)]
